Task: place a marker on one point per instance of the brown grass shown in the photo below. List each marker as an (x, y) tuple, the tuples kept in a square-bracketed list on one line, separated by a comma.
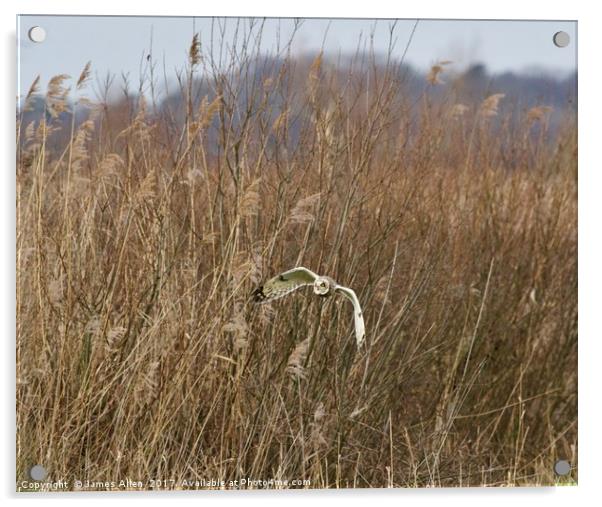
[(142, 232)]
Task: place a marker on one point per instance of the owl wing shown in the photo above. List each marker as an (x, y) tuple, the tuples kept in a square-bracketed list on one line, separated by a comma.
[(360, 329), (283, 284)]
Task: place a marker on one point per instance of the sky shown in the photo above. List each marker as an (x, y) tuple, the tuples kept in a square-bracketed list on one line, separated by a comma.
[(118, 44)]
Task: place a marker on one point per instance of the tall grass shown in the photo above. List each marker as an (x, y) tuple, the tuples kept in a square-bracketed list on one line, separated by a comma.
[(142, 231)]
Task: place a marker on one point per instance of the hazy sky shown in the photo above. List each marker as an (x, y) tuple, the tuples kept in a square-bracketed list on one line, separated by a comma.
[(117, 44)]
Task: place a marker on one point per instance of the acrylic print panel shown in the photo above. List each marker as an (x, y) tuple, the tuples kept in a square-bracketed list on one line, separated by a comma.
[(295, 253)]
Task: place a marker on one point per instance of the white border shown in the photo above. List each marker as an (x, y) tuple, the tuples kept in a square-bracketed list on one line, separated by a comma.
[(590, 251)]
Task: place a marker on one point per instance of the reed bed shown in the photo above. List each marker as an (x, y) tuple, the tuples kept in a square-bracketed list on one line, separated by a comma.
[(144, 225)]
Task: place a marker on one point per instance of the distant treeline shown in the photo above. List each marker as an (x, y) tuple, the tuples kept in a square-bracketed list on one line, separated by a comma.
[(443, 84)]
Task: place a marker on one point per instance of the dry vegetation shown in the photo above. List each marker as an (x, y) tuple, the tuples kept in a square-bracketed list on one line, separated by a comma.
[(142, 231)]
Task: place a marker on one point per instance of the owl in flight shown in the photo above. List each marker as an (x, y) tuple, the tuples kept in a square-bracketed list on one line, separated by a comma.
[(324, 286)]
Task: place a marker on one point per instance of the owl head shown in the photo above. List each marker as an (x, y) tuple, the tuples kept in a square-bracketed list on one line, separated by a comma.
[(322, 286)]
